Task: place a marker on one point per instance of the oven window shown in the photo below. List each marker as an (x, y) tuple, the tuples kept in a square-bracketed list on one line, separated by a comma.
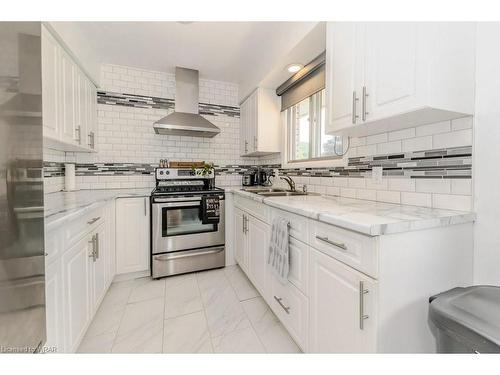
[(183, 220)]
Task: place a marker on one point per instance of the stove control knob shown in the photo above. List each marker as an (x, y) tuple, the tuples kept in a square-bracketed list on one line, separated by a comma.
[(167, 172), (161, 172)]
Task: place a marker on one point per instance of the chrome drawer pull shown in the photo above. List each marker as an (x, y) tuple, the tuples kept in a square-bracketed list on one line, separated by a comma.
[(336, 244), (279, 299), (169, 257), (362, 316), (93, 220)]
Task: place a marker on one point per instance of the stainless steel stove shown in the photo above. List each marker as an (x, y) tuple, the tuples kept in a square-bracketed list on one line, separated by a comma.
[(183, 239)]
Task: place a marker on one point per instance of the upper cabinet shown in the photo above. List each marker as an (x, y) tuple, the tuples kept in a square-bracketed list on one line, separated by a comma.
[(69, 100), (387, 76), (260, 123)]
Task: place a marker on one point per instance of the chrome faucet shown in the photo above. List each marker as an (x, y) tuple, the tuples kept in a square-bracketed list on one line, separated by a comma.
[(290, 182)]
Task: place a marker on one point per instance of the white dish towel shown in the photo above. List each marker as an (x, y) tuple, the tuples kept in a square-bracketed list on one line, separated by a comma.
[(279, 252)]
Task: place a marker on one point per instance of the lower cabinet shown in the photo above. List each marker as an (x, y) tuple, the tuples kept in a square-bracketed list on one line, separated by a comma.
[(258, 234), (77, 278), (132, 235), (77, 288), (342, 307), (240, 243)]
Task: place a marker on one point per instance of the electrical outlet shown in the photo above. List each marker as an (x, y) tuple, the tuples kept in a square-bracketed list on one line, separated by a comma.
[(377, 175)]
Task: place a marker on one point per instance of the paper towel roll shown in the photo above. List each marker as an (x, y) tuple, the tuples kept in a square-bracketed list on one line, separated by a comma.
[(69, 177)]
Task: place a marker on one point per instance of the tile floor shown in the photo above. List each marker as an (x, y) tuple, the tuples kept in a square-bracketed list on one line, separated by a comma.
[(212, 311)]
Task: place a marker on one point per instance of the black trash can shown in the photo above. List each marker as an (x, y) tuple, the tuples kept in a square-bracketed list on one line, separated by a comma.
[(467, 320)]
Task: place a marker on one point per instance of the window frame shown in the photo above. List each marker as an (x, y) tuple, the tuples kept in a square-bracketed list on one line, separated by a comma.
[(314, 137)]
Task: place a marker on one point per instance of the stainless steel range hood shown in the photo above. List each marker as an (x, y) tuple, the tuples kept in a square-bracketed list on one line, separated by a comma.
[(186, 120)]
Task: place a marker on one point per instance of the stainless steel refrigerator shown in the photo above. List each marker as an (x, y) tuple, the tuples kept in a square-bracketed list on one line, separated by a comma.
[(22, 276)]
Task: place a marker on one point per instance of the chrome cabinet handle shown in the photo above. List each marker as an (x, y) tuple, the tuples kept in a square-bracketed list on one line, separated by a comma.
[(193, 254), (279, 299), (78, 130), (246, 224), (336, 244), (362, 316), (91, 140), (255, 143), (96, 241), (92, 254), (93, 220), (354, 105), (145, 208), (363, 105), (246, 146)]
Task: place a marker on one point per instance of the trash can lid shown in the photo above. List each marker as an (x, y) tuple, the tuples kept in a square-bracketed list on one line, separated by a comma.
[(471, 313)]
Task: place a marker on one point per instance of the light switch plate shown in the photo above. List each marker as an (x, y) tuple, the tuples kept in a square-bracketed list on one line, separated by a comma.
[(377, 175)]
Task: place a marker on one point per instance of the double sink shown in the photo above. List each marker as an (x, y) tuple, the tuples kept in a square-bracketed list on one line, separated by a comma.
[(272, 192)]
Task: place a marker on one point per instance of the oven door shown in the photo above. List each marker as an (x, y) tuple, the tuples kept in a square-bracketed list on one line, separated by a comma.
[(177, 225)]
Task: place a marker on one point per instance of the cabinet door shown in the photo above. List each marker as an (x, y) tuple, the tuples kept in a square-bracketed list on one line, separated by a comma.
[(258, 242), (344, 74), (77, 275), (67, 98), (50, 85), (54, 305), (110, 238), (80, 109), (244, 123), (336, 307), (391, 68), (240, 238), (132, 235), (99, 266), (253, 121)]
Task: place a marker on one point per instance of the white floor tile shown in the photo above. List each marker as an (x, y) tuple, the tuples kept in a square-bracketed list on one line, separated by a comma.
[(240, 283), (97, 344), (187, 334), (146, 288), (239, 341), (141, 328), (182, 295)]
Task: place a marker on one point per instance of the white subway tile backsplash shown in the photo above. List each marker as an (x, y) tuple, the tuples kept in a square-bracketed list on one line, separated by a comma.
[(389, 147), (436, 128), (401, 134), (401, 184), (332, 190), (452, 202), (377, 138), (461, 123), (453, 139), (433, 186), (416, 199), (388, 196), (417, 144), (461, 186), (367, 150), (348, 193), (354, 182), (370, 195), (340, 181)]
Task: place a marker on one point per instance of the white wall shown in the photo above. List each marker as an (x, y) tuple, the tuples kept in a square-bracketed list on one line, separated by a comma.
[(487, 156)]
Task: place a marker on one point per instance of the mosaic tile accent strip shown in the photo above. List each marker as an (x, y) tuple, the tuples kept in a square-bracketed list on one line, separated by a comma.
[(442, 163), (52, 169), (140, 101)]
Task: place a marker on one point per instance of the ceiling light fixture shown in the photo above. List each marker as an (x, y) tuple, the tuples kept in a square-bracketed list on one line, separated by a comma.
[(294, 68)]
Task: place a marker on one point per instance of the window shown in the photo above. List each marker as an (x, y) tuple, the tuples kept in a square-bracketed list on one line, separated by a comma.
[(307, 138)]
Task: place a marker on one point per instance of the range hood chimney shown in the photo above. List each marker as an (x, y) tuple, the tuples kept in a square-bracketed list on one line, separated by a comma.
[(186, 120)]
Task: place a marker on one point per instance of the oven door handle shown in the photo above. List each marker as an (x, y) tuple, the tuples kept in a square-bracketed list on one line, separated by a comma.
[(186, 199), (191, 254)]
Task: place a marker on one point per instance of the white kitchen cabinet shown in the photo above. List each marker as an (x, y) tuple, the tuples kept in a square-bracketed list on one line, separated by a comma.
[(240, 243), (388, 76), (77, 276), (342, 308), (50, 86), (99, 267), (258, 234), (77, 293), (69, 100), (132, 235), (54, 305), (260, 123)]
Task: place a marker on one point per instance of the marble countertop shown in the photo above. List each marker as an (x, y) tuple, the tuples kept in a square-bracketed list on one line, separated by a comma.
[(367, 217), (63, 206)]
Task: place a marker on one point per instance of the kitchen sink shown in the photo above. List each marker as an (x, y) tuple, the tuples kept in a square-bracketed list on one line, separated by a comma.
[(258, 190), (281, 193)]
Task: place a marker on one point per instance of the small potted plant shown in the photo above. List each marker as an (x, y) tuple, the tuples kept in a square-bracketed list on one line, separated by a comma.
[(206, 170)]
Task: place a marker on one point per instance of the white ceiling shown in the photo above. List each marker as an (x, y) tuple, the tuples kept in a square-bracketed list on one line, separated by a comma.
[(239, 52)]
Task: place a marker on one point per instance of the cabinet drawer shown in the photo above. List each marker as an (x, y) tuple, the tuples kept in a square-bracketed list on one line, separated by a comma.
[(53, 245), (298, 224), (299, 265), (292, 308), (82, 225), (254, 208), (353, 249)]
